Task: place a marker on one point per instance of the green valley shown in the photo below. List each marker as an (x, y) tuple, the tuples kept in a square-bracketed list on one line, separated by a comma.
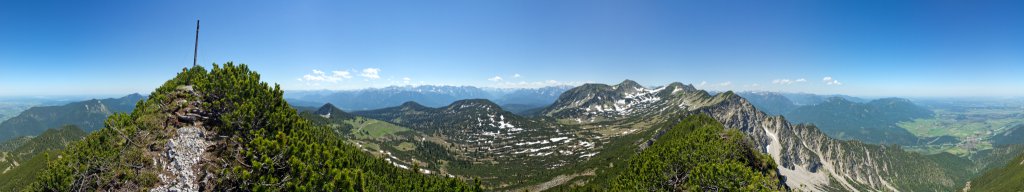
[(977, 129)]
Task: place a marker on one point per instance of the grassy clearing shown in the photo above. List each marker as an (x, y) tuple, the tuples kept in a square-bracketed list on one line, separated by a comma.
[(364, 128), (406, 146)]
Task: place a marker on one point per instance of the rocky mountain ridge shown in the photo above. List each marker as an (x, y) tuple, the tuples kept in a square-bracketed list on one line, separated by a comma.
[(810, 159)]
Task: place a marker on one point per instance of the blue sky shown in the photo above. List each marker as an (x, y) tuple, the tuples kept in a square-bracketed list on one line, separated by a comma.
[(864, 48)]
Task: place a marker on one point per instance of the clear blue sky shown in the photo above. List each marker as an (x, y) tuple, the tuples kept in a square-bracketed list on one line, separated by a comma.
[(868, 48)]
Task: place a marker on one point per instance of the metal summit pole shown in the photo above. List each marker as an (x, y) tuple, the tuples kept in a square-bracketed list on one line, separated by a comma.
[(195, 51)]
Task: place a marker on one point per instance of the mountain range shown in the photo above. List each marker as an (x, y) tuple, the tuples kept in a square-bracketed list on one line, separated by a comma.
[(427, 95), (224, 130), (807, 157), (88, 115), (605, 121), (871, 122), (850, 118)]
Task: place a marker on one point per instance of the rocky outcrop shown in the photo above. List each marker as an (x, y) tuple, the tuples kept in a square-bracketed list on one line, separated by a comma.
[(183, 154), (810, 160)]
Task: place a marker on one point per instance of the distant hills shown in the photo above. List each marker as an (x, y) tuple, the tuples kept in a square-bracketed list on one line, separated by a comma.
[(773, 103), (780, 103), (871, 122), (427, 95), (22, 158), (88, 115), (847, 117), (811, 99), (12, 106)]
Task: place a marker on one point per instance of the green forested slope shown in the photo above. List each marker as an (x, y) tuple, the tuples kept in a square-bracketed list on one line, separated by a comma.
[(698, 154), (261, 144), (1008, 178), (28, 155)]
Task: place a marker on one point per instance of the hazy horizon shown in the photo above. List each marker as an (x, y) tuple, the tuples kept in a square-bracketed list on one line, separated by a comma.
[(79, 97)]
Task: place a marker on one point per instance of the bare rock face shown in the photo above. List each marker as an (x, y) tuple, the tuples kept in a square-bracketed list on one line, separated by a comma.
[(185, 152), (812, 161)]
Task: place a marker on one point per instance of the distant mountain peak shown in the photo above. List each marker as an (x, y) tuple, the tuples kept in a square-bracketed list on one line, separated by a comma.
[(474, 103), (836, 99), (629, 84), (331, 112), (327, 109), (675, 87), (411, 105), (133, 95)]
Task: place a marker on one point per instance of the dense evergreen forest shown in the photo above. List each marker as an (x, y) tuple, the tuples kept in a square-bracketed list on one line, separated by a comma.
[(1008, 178), (697, 154)]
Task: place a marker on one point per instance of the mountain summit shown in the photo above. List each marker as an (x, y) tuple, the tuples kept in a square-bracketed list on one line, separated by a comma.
[(628, 84), (223, 130), (330, 111)]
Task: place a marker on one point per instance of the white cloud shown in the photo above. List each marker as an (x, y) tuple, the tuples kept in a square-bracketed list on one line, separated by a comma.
[(702, 83), (321, 76), (829, 81), (788, 81), (371, 73), (406, 80), (516, 75), (495, 78), (342, 74), (724, 84)]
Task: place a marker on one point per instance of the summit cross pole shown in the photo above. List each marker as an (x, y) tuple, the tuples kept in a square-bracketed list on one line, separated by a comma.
[(195, 51)]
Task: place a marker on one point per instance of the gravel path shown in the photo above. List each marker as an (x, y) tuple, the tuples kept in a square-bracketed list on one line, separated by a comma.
[(183, 154), (184, 151)]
